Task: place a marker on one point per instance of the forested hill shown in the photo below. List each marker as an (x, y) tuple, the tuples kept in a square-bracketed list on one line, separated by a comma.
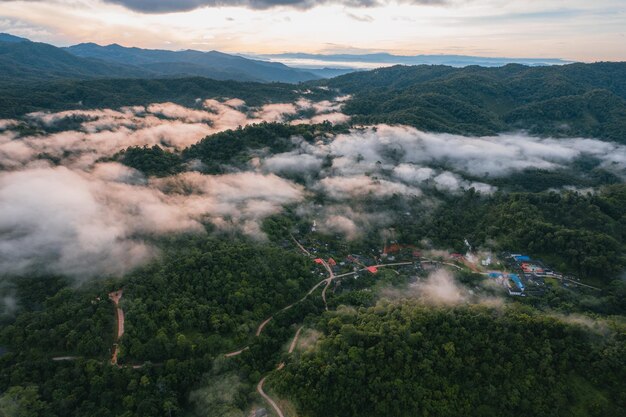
[(586, 100), (407, 360), (24, 61), (17, 100), (568, 100)]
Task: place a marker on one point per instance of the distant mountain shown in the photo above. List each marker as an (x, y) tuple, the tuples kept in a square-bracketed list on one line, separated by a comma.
[(305, 60), (211, 64), (34, 61), (5, 37), (23, 60)]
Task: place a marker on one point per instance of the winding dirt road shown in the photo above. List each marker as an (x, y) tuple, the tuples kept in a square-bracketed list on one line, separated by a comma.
[(302, 248), (115, 296), (262, 325), (294, 342), (267, 398), (329, 280), (280, 366), (237, 352)]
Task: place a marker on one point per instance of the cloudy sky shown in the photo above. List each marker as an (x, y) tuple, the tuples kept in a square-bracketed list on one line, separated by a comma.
[(571, 29)]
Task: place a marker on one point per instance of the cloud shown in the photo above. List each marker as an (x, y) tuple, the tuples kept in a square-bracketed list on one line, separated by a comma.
[(448, 181), (54, 220), (441, 288), (413, 174), (103, 132), (341, 224), (164, 6), (361, 18), (85, 224), (343, 188), (7, 123), (491, 156), (293, 163), (351, 222), (87, 218), (177, 112), (381, 161), (276, 112), (334, 118)]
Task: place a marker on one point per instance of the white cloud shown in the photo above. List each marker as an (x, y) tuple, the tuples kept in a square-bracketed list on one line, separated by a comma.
[(83, 224)]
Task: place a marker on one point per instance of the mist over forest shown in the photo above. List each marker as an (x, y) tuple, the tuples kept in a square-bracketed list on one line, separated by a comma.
[(405, 241)]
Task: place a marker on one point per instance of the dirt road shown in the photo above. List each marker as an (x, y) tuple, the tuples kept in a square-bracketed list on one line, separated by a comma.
[(329, 280), (294, 342), (115, 296), (266, 397), (237, 352), (262, 325), (302, 248)]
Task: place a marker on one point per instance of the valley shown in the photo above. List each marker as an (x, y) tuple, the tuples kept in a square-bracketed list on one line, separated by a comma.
[(203, 234)]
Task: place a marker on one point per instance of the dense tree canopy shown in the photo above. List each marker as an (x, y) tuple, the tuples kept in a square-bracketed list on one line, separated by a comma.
[(409, 360), (569, 100), (583, 234)]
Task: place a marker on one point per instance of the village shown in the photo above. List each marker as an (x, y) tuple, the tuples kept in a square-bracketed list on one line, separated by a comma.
[(517, 274)]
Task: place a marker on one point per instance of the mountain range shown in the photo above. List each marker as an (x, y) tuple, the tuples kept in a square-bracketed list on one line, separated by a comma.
[(21, 59), (24, 60)]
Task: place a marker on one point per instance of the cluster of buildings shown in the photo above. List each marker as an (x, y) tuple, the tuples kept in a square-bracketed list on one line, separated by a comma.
[(519, 274), (531, 273)]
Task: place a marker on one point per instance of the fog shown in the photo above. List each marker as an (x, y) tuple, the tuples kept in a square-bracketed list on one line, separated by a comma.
[(102, 133), (385, 160), (479, 156), (64, 210), (440, 288), (82, 224)]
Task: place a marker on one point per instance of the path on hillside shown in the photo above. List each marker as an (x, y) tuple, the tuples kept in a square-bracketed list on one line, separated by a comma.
[(267, 398), (329, 280), (294, 342), (280, 366), (237, 352), (115, 296), (302, 248), (292, 346)]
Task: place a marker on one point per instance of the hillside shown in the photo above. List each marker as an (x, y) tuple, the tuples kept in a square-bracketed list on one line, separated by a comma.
[(19, 99), (34, 61), (24, 61), (586, 100), (297, 260), (569, 100)]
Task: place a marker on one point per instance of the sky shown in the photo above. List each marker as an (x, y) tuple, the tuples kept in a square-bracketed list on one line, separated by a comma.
[(579, 30)]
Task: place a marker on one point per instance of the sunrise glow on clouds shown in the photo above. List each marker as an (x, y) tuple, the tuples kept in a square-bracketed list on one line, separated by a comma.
[(574, 30)]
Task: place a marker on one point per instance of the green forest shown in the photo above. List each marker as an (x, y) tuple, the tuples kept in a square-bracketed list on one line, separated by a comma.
[(206, 295), (213, 314), (17, 99), (408, 360), (582, 234), (203, 298), (570, 100)]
